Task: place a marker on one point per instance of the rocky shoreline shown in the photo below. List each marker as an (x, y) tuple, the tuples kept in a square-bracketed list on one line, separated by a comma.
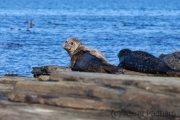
[(63, 94)]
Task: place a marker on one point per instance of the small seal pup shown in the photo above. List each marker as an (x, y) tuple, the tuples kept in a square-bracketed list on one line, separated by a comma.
[(88, 60), (144, 62)]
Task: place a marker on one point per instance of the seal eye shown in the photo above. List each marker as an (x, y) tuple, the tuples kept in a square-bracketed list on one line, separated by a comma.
[(71, 43), (66, 42)]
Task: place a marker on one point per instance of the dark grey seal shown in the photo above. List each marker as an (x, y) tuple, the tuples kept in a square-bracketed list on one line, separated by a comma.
[(173, 60), (140, 61), (85, 59)]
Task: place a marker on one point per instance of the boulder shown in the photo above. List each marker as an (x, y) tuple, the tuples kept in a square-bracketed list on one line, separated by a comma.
[(43, 78), (46, 70), (82, 95), (173, 59), (124, 96), (23, 111)]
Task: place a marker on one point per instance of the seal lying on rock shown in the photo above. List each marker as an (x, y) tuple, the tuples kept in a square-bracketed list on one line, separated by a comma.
[(144, 62), (88, 60), (173, 60)]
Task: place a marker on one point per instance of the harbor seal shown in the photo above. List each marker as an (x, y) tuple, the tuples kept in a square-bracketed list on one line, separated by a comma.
[(173, 60), (85, 59), (141, 61)]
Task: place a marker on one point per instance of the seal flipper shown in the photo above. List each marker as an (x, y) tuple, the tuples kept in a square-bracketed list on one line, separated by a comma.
[(112, 69)]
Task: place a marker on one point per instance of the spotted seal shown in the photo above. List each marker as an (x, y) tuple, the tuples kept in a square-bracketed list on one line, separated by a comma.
[(141, 61), (88, 60)]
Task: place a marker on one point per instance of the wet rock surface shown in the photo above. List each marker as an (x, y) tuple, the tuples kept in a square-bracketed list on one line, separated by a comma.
[(81, 95)]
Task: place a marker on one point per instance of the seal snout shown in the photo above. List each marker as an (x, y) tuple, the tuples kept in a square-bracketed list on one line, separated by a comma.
[(65, 45)]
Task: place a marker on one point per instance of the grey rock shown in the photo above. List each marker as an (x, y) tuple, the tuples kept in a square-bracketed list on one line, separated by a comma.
[(23, 111), (173, 60), (154, 84), (89, 96), (43, 78), (46, 70), (68, 88)]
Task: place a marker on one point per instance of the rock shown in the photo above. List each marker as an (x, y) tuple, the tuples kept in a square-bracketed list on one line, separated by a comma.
[(46, 70), (68, 88), (14, 79), (12, 75), (4, 90), (129, 72), (37, 71), (131, 100), (80, 103), (7, 84), (43, 78), (51, 68), (24, 111), (79, 95), (97, 91), (159, 84), (173, 59)]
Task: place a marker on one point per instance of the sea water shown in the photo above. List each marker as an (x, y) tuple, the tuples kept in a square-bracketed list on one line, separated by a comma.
[(107, 25)]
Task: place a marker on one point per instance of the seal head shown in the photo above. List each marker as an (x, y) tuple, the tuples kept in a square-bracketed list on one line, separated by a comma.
[(71, 45)]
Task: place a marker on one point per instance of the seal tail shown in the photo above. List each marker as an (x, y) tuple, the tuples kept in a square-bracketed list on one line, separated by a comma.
[(112, 69)]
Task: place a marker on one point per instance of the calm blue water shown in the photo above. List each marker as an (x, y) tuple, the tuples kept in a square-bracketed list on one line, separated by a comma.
[(107, 25)]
